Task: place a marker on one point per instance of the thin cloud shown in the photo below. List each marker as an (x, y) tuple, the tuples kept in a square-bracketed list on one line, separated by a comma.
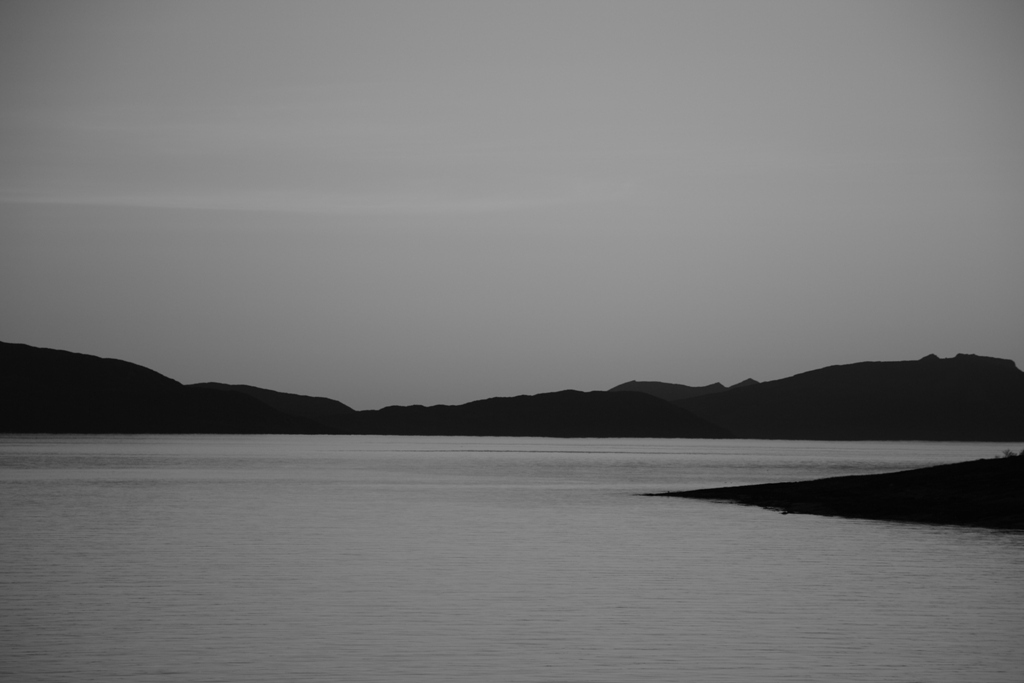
[(574, 193)]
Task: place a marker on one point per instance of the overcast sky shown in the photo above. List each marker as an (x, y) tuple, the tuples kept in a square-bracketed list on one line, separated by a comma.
[(435, 202)]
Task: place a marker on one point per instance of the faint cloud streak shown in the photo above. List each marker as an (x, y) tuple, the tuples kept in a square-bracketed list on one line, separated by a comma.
[(398, 203)]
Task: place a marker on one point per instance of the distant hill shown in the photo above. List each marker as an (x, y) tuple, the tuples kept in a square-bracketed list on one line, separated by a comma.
[(674, 392), (46, 390), (558, 414), (667, 391), (332, 414), (966, 398)]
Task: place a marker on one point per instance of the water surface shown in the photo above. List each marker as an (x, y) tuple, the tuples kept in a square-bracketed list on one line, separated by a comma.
[(257, 558)]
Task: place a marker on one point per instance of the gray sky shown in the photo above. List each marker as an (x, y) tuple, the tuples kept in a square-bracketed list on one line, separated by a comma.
[(435, 202)]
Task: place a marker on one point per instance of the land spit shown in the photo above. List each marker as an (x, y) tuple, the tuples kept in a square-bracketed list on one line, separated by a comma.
[(985, 493)]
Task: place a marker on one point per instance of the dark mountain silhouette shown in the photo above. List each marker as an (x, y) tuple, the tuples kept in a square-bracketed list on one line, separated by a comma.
[(46, 390), (966, 398), (324, 411), (667, 391), (983, 493), (559, 414), (969, 398)]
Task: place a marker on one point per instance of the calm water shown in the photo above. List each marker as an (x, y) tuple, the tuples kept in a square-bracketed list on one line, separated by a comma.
[(465, 559)]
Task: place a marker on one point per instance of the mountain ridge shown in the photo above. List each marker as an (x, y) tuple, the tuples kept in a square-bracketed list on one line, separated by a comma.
[(54, 391), (965, 398)]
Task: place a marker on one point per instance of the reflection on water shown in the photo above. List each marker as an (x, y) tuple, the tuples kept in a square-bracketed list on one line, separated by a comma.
[(443, 559)]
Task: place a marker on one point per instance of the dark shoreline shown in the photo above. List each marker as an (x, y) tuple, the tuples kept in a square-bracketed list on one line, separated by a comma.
[(982, 493)]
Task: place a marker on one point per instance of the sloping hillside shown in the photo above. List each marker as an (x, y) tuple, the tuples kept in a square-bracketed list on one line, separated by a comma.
[(46, 390), (331, 414)]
